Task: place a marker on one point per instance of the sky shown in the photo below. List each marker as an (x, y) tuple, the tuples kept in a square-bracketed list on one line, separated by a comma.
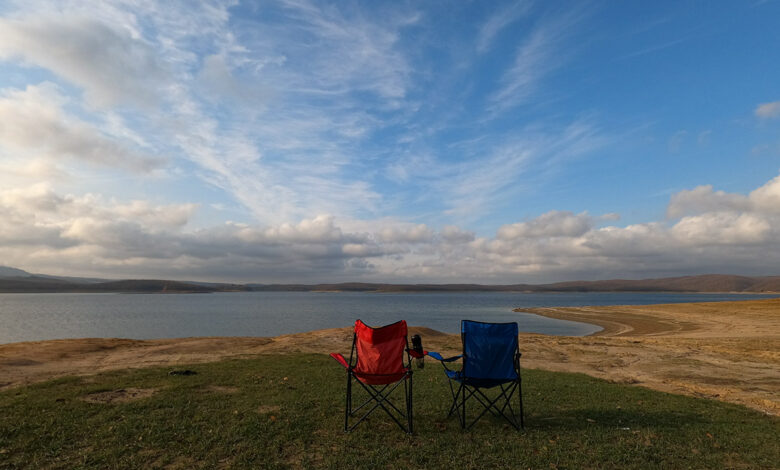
[(420, 142)]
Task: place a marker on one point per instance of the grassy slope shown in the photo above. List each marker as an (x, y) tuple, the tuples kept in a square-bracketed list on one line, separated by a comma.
[(281, 412)]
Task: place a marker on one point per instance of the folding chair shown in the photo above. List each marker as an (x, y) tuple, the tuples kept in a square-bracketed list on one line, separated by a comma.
[(490, 359), (379, 368)]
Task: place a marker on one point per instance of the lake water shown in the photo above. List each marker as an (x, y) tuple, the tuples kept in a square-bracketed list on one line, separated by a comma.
[(32, 317)]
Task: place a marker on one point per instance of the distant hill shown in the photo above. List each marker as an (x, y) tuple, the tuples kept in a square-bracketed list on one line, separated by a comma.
[(17, 280), (36, 284), (702, 283), (5, 271)]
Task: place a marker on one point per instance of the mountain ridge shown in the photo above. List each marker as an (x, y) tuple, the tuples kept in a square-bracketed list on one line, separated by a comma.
[(14, 280)]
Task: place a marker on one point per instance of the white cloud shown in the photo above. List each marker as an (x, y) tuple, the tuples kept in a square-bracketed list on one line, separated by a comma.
[(455, 235), (110, 64), (540, 54), (768, 110), (498, 21), (219, 79), (534, 59), (767, 197), (277, 114), (35, 125), (551, 224), (704, 199), (150, 215), (49, 232), (494, 173), (345, 50), (419, 233), (722, 228), (317, 230), (271, 149)]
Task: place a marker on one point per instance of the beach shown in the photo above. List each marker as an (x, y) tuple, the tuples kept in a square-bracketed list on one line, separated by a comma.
[(728, 351)]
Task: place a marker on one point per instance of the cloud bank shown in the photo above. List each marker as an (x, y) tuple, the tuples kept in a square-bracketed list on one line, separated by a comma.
[(707, 231)]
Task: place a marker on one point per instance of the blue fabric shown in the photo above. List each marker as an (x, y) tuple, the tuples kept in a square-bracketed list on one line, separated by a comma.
[(489, 352), (438, 357), (435, 355), (457, 376)]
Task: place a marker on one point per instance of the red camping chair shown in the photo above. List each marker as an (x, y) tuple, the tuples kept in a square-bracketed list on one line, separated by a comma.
[(379, 368)]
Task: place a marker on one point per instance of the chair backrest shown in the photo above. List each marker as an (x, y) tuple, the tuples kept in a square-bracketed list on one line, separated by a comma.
[(489, 350), (380, 351)]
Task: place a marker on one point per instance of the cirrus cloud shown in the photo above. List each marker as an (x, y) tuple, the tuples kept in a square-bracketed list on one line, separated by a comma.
[(35, 124)]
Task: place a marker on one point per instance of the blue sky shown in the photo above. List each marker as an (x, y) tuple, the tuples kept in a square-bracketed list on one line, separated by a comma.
[(304, 141)]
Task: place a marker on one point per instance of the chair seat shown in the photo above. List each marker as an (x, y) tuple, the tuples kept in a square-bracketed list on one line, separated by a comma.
[(457, 376), (379, 379)]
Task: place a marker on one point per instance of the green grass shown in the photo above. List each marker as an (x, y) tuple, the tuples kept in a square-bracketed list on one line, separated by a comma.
[(287, 412)]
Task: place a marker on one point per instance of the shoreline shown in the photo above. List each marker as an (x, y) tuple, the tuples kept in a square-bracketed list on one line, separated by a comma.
[(729, 351), (700, 319)]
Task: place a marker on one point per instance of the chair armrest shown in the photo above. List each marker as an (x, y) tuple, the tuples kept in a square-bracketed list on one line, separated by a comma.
[(438, 357), (415, 354), (340, 359)]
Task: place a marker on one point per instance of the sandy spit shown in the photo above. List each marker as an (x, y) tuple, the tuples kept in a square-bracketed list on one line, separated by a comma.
[(728, 351)]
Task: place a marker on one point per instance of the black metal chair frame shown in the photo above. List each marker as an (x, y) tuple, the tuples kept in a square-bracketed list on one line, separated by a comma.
[(379, 395), (466, 391)]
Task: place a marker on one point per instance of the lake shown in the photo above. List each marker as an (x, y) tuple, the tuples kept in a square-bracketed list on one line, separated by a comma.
[(33, 317)]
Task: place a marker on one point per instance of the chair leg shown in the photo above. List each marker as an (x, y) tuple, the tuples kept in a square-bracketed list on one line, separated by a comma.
[(410, 407), (347, 408), (454, 406), (380, 399), (463, 408), (520, 396), (499, 406)]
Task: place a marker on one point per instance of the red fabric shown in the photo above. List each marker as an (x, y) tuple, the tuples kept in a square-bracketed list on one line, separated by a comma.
[(380, 353), (338, 357), (415, 354)]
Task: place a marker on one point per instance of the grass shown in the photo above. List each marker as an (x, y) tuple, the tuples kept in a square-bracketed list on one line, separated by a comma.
[(287, 412)]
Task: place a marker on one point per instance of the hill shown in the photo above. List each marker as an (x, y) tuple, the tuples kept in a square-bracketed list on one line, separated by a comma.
[(702, 283), (16, 280), (5, 271), (35, 284)]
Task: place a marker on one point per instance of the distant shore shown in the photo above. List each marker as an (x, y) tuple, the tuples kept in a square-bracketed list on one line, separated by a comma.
[(707, 283), (728, 351)]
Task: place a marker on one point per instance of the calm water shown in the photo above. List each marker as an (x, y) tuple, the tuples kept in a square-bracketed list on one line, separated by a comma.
[(30, 317)]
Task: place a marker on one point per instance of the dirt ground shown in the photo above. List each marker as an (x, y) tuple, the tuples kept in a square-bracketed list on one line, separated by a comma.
[(728, 351)]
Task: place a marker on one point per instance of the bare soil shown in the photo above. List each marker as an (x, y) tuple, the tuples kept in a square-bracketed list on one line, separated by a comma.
[(728, 351)]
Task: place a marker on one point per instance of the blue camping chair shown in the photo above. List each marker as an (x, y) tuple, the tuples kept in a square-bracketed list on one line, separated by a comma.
[(491, 358)]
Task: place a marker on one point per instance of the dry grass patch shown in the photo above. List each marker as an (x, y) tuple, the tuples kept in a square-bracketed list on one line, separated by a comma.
[(266, 409), (123, 395), (221, 389)]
